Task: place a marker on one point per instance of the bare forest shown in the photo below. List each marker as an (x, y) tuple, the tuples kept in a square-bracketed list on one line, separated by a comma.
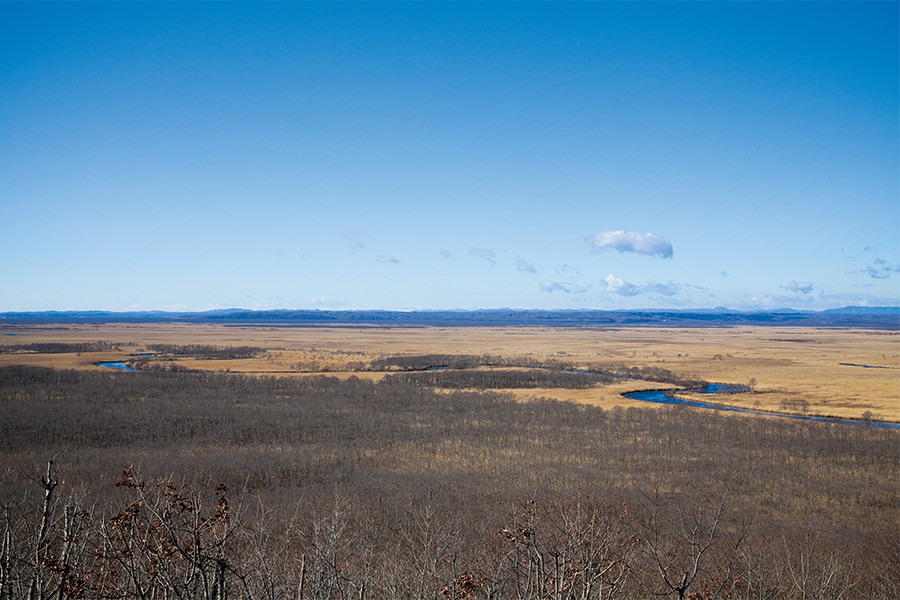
[(202, 485)]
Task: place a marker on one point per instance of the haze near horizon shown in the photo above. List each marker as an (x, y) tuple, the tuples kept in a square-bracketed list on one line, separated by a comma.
[(193, 156)]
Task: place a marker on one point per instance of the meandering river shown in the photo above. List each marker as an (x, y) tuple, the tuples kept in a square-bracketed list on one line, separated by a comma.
[(668, 397)]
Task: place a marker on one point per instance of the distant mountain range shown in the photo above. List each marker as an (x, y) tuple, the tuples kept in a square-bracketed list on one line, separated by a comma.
[(851, 316)]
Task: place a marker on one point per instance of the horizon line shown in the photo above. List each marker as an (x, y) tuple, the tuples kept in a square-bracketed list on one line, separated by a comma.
[(459, 310)]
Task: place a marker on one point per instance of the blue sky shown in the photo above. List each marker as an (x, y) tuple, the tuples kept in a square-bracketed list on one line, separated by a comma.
[(449, 155)]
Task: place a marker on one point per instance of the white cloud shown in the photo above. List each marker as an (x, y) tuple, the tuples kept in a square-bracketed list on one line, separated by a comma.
[(664, 289), (445, 253), (484, 254), (524, 266), (564, 287), (568, 270), (855, 299), (617, 285), (387, 258), (879, 269), (352, 239), (325, 302), (629, 241), (802, 287)]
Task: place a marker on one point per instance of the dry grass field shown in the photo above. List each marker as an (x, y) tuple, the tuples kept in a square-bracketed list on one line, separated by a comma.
[(801, 370)]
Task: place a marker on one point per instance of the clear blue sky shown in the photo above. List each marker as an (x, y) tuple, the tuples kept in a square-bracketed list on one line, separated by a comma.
[(438, 156)]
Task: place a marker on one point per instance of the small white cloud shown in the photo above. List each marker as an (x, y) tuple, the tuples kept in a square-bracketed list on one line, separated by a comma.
[(664, 289), (568, 270), (387, 258), (879, 269), (445, 253), (856, 299), (629, 241), (484, 254), (802, 287), (352, 239), (564, 287), (524, 266), (617, 285), (324, 301), (552, 286)]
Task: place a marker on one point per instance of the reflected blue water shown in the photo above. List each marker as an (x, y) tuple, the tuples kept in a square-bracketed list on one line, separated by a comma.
[(117, 365), (724, 388)]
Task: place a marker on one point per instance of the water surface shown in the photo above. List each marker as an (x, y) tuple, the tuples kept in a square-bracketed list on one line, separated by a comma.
[(668, 397), (117, 365)]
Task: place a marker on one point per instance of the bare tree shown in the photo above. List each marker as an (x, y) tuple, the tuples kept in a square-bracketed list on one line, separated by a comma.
[(818, 573), (573, 549), (168, 540), (678, 537)]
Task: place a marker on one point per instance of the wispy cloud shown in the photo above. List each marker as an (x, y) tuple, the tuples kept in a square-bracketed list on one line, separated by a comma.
[(524, 266), (802, 287), (325, 301), (772, 301), (445, 253), (564, 287), (856, 299), (663, 289), (484, 254), (569, 271), (617, 285), (387, 258), (879, 269), (629, 241), (352, 239)]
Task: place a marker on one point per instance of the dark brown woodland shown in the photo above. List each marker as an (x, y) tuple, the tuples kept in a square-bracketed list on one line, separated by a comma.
[(199, 485)]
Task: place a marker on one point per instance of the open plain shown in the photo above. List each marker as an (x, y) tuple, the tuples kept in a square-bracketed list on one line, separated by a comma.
[(836, 372), (445, 462)]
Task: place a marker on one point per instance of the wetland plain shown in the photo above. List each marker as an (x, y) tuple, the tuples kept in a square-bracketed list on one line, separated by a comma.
[(262, 461), (802, 370)]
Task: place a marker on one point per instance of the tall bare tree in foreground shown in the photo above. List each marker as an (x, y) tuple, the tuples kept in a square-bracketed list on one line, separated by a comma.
[(680, 535)]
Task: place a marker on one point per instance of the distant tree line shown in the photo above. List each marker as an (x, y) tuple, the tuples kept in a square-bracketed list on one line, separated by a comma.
[(421, 362), (205, 351), (502, 379), (593, 373), (60, 347)]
